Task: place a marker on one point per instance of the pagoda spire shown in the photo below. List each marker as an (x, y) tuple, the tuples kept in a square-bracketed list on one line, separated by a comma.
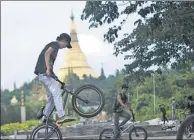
[(73, 32), (72, 15), (75, 60), (14, 86), (102, 75)]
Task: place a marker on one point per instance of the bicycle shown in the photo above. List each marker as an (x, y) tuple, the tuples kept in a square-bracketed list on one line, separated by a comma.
[(89, 104), (188, 128), (110, 131), (187, 122), (183, 115)]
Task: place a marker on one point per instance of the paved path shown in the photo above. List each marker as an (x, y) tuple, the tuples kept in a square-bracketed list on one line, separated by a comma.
[(95, 137), (125, 138), (167, 138)]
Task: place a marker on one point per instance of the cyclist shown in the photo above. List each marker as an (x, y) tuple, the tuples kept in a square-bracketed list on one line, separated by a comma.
[(190, 106), (121, 109), (163, 110), (44, 70), (174, 106)]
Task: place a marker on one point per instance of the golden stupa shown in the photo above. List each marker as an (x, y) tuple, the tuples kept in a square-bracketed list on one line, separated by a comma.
[(75, 58), (14, 100)]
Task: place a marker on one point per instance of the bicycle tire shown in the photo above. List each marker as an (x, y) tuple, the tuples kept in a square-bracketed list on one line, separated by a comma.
[(140, 128), (102, 101), (42, 126), (187, 132), (104, 130), (184, 124)]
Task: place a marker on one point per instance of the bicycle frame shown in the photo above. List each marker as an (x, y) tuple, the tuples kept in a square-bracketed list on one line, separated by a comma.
[(46, 128), (66, 90), (130, 125)]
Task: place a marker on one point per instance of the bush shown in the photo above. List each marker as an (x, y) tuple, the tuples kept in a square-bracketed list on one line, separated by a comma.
[(9, 129)]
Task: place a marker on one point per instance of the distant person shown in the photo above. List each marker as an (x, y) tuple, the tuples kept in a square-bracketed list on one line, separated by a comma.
[(174, 105), (121, 109), (44, 70), (190, 106), (163, 110)]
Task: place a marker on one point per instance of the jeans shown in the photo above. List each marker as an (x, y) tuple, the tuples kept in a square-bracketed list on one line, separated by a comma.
[(126, 115), (54, 96), (164, 117), (174, 114)]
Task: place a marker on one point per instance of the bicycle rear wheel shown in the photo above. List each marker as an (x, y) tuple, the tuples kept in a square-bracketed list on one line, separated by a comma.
[(136, 132), (40, 132), (187, 122), (107, 133), (95, 99)]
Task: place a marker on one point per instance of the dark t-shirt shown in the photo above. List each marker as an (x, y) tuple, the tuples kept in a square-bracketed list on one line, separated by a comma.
[(117, 105), (41, 64), (190, 106), (163, 110)]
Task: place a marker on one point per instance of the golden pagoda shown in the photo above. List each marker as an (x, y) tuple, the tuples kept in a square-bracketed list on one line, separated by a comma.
[(75, 58), (14, 100)]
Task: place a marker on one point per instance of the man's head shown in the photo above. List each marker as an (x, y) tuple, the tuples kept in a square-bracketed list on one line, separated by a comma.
[(124, 89), (64, 41), (190, 98)]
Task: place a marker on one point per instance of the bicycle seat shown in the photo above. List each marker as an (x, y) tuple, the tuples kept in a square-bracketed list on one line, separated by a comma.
[(40, 114)]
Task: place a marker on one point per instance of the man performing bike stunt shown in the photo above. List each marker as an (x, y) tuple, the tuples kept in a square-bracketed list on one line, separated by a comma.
[(44, 70), (121, 109)]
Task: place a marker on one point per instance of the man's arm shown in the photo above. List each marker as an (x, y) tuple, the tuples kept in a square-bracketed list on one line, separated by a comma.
[(128, 105), (47, 57)]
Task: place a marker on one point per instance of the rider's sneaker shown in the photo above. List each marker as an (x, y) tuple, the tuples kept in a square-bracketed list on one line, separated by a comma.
[(65, 119)]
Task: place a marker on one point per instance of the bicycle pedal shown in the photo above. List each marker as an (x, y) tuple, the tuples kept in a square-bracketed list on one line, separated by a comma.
[(58, 124)]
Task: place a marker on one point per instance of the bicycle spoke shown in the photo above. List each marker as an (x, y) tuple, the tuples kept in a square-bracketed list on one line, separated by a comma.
[(46, 131), (51, 133)]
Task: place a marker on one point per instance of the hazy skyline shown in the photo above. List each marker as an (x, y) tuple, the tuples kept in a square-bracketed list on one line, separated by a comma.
[(27, 26)]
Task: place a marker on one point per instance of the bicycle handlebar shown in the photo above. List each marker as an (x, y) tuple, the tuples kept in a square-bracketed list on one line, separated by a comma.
[(57, 79)]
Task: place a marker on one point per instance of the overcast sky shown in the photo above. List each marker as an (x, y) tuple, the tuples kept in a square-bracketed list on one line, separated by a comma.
[(26, 27)]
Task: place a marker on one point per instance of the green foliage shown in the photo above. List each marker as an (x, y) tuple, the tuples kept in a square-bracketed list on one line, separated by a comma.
[(9, 129), (162, 33), (144, 106), (141, 95)]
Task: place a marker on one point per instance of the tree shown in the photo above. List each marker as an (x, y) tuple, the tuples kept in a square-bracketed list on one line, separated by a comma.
[(85, 76), (90, 76), (117, 73), (162, 34)]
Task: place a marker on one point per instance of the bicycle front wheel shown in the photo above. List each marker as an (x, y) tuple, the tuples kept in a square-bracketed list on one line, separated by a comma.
[(187, 122), (43, 131), (107, 133), (95, 99), (188, 130), (138, 133)]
